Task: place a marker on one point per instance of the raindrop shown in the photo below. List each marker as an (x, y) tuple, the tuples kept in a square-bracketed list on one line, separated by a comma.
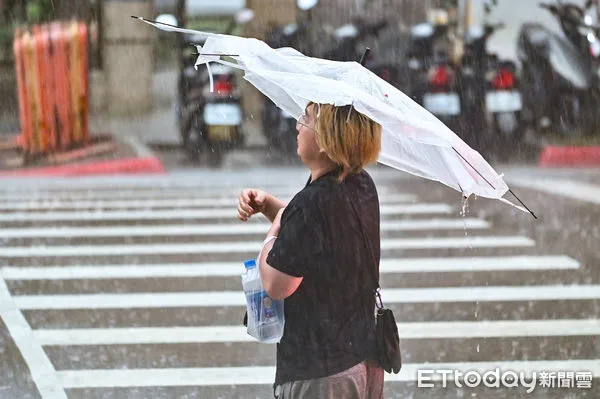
[(465, 207), (463, 212)]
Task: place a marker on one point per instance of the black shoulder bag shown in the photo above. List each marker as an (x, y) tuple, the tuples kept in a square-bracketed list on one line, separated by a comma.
[(386, 330)]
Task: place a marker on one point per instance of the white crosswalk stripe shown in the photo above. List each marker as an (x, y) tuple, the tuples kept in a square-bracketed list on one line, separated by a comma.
[(227, 376), (252, 246), (148, 193), (176, 202), (190, 213), (230, 269), (221, 229), (438, 329), (237, 298), (39, 289)]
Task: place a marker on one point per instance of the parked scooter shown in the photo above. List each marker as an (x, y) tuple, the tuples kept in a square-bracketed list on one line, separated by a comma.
[(210, 122), (488, 86), (431, 74), (345, 48), (559, 79)]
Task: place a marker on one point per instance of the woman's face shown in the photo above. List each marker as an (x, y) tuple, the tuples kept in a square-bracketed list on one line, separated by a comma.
[(308, 149)]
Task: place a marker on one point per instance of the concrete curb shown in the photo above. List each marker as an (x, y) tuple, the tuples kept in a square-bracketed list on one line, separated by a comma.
[(148, 165), (552, 156), (144, 162)]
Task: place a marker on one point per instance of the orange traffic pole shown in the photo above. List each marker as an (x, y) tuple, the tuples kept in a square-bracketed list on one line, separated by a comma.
[(61, 78), (33, 95), (75, 80), (83, 32), (24, 113), (42, 89), (48, 89)]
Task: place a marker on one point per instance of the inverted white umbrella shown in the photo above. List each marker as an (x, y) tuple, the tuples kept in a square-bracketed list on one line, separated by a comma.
[(413, 140)]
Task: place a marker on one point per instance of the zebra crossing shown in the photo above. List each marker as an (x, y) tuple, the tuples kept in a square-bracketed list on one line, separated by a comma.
[(129, 290)]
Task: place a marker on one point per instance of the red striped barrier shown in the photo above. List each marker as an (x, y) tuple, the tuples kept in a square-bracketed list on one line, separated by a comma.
[(569, 156)]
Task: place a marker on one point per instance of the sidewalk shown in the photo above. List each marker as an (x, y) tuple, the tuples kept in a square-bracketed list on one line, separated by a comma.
[(159, 127), (131, 136)]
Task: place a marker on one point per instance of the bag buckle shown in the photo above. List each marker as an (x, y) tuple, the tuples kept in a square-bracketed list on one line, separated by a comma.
[(378, 301)]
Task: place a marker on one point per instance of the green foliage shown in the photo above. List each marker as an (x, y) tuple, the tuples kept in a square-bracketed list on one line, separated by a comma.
[(39, 10)]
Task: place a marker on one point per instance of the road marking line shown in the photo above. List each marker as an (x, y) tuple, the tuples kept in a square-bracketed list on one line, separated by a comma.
[(564, 188), (112, 193), (123, 194), (187, 213), (233, 269), (42, 371), (265, 375), (252, 246), (237, 298), (224, 229), (209, 334), (51, 203), (260, 177)]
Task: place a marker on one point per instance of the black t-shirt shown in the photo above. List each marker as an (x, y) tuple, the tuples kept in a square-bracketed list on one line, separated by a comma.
[(329, 320)]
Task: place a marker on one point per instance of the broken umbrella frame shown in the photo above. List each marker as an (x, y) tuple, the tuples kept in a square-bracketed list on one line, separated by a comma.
[(385, 115)]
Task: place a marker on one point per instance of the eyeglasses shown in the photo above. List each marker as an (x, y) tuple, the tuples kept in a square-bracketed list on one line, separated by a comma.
[(303, 120)]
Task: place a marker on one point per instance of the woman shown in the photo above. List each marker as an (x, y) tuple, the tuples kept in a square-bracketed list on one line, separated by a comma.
[(322, 255)]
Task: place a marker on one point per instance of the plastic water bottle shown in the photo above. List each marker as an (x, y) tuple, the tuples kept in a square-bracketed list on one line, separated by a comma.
[(265, 315)]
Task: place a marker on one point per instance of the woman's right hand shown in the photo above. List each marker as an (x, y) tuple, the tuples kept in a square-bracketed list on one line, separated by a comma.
[(251, 201)]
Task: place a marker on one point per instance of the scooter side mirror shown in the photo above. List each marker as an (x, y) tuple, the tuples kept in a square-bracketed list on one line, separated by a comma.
[(548, 7), (305, 5), (244, 16), (476, 32), (168, 19)]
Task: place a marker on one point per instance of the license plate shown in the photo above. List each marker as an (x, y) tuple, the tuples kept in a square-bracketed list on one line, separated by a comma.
[(225, 114), (221, 133), (442, 103), (595, 48), (503, 101), (414, 63)]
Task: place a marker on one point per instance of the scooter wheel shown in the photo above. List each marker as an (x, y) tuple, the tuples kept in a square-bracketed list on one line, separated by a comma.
[(191, 134), (215, 157)]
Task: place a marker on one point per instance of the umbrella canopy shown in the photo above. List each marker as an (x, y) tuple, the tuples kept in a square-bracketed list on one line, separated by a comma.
[(413, 140)]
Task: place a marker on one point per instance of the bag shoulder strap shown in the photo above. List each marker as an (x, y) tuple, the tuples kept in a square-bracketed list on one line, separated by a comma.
[(374, 273), (376, 291), (368, 242), (369, 246)]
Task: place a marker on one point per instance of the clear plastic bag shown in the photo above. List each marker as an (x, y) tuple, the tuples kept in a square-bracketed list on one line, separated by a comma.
[(265, 317)]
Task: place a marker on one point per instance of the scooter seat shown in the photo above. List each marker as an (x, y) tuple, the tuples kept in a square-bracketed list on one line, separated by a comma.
[(422, 30)]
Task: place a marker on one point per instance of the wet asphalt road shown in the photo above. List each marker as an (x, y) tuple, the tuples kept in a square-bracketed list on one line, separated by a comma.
[(130, 288)]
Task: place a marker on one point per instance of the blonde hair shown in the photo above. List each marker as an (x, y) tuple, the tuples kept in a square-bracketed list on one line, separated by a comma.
[(349, 138)]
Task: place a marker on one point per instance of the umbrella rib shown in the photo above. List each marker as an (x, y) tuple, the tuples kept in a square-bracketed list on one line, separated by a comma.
[(363, 61), (518, 199), (468, 163), (521, 202), (220, 55)]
